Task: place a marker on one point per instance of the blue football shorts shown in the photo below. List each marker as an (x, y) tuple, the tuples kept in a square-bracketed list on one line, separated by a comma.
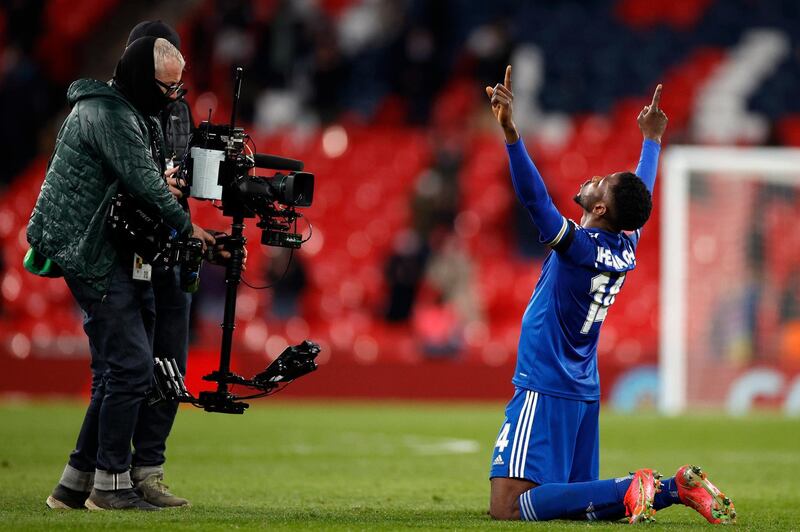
[(548, 439)]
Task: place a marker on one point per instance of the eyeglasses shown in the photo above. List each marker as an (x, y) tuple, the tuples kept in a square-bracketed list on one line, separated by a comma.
[(175, 88)]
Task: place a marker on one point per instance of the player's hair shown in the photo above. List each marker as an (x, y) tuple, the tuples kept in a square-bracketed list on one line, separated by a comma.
[(164, 51), (632, 202)]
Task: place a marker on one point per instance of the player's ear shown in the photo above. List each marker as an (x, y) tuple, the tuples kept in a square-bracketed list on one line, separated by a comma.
[(600, 209)]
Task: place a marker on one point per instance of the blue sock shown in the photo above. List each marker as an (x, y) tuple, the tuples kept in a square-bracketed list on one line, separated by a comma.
[(612, 512), (663, 499), (668, 494), (568, 501)]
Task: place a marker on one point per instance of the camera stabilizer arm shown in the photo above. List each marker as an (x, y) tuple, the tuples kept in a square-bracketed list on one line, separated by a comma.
[(294, 362)]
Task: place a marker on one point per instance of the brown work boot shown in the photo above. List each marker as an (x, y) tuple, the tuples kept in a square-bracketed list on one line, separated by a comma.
[(121, 499), (154, 491)]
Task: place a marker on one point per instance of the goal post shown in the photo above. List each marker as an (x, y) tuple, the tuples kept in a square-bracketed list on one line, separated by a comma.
[(719, 326)]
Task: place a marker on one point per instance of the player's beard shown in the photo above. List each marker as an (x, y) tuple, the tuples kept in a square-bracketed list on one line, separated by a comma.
[(578, 198)]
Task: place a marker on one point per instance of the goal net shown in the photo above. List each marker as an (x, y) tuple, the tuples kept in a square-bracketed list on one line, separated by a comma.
[(730, 279)]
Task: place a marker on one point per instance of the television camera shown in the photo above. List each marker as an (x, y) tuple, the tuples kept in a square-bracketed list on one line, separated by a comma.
[(220, 166)]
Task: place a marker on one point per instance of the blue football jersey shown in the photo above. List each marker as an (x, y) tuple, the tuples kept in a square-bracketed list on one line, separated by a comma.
[(557, 353)]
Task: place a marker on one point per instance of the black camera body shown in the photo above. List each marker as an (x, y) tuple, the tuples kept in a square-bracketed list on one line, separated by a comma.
[(217, 167)]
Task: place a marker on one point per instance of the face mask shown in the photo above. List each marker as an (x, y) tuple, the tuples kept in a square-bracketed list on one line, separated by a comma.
[(135, 77)]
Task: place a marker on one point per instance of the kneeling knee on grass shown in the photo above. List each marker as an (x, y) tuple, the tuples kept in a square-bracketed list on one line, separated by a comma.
[(504, 498)]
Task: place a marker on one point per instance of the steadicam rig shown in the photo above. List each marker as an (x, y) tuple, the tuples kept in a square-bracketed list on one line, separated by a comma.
[(294, 362), (220, 167)]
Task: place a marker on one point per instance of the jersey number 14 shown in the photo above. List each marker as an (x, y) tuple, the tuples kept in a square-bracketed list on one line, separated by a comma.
[(603, 298)]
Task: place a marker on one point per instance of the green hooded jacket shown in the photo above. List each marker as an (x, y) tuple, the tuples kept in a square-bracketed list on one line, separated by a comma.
[(103, 147)]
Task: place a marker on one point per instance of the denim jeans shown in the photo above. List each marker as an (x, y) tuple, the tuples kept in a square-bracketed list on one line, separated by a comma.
[(171, 340), (122, 328)]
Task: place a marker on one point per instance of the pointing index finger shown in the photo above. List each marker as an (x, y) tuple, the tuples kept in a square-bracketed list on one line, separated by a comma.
[(507, 81), (656, 98)]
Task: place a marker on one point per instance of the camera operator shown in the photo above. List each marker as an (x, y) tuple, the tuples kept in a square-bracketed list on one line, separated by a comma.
[(171, 338), (172, 304), (110, 142)]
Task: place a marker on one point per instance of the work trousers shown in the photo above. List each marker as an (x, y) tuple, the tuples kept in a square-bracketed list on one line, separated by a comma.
[(134, 320)]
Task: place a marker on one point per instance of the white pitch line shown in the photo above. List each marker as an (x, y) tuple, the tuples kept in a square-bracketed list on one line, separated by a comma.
[(372, 444)]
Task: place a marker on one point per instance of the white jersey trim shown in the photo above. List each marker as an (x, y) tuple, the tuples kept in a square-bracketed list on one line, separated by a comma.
[(522, 436), (561, 233)]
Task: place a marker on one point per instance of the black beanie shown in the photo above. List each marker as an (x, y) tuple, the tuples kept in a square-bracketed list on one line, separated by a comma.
[(154, 28), (135, 77)]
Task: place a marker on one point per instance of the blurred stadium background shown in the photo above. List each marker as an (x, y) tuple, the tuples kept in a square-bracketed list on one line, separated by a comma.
[(421, 261)]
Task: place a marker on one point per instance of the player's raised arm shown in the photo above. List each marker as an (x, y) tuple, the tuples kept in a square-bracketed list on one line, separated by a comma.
[(502, 98), (528, 183), (652, 123)]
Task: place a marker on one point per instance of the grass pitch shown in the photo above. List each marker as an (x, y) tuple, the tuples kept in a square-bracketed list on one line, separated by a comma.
[(384, 466)]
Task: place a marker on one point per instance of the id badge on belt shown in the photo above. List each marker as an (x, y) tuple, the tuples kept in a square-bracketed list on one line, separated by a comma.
[(141, 270)]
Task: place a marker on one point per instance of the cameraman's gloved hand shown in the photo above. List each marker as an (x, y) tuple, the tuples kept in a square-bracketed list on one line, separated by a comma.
[(219, 255), (205, 237)]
